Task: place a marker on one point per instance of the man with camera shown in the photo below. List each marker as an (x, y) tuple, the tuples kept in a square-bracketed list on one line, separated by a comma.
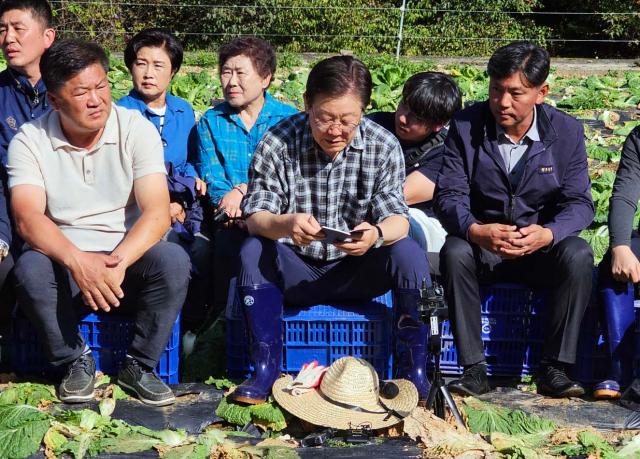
[(513, 194)]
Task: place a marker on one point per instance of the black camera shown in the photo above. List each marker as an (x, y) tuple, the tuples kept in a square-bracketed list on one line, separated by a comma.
[(432, 300), (220, 216)]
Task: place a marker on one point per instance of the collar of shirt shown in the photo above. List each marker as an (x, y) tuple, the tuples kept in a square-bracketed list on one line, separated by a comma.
[(59, 140), (22, 84), (141, 106), (532, 134), (267, 111)]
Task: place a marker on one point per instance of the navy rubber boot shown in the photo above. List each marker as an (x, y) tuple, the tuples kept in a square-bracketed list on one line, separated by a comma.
[(411, 341), (262, 306), (619, 317)]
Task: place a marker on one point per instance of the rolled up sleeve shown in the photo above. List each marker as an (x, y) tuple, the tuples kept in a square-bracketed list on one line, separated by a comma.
[(388, 197), (266, 184)]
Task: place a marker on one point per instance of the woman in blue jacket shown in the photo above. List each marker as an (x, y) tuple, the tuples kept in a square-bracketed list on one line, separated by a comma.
[(153, 57)]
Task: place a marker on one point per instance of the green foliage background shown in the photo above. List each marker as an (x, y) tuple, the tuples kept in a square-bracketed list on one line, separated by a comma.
[(431, 27)]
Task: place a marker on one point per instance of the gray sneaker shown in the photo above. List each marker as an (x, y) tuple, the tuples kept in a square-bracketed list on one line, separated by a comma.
[(144, 383), (79, 380)]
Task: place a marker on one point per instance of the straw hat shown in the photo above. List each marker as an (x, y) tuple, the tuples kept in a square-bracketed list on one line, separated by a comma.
[(349, 396)]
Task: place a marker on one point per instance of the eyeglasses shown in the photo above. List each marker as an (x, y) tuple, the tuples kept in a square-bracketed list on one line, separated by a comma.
[(324, 126)]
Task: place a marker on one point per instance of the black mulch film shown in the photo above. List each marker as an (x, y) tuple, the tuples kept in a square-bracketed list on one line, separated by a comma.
[(575, 412)]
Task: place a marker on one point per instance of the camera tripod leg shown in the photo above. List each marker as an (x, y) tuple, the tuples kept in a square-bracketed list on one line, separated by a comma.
[(439, 397), (452, 405)]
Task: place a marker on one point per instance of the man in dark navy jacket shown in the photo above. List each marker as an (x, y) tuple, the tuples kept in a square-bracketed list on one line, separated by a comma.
[(513, 194), (25, 33)]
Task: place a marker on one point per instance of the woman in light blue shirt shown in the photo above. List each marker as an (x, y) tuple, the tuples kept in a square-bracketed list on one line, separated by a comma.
[(228, 134)]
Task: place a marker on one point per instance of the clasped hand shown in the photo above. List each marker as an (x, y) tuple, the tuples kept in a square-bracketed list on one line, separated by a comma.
[(508, 241), (99, 277)]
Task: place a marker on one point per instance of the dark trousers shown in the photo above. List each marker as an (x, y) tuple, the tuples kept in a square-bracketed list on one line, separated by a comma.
[(155, 287), (226, 262), (566, 270), (305, 281), (7, 298)]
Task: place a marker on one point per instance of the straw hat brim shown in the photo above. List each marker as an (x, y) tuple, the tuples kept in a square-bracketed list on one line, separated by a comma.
[(313, 408)]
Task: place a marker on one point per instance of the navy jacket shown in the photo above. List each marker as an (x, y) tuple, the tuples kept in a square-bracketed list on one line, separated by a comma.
[(20, 102), (5, 222), (182, 190), (473, 185)]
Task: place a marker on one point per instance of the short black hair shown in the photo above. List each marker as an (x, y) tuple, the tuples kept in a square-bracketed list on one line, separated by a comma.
[(66, 58), (520, 56), (261, 53), (337, 76), (155, 38), (40, 10), (432, 96)]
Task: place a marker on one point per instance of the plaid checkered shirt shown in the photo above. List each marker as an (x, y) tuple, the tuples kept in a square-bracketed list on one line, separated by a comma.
[(289, 173)]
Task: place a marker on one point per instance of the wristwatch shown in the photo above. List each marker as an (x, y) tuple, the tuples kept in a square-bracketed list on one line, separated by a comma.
[(4, 249), (380, 239)]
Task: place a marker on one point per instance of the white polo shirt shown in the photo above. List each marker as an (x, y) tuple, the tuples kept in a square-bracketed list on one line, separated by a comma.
[(89, 193)]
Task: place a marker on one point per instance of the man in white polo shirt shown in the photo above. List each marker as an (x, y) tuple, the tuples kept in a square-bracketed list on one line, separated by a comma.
[(90, 199)]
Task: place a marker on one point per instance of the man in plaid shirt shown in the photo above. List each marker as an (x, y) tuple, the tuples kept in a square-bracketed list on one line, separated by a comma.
[(328, 167)]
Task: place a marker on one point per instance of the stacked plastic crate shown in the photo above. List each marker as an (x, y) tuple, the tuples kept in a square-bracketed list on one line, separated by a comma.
[(513, 323), (323, 332), (108, 336)]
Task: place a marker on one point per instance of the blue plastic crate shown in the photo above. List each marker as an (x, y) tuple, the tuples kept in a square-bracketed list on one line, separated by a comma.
[(513, 335), (108, 336), (321, 332)]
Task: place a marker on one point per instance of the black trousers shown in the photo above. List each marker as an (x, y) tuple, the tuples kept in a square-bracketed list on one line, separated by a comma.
[(155, 287), (6, 283), (7, 298), (566, 270)]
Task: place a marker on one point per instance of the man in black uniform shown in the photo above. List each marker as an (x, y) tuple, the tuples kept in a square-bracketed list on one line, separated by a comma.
[(429, 100)]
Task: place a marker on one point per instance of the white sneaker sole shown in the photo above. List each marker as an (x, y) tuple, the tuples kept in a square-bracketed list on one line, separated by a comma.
[(77, 398), (168, 401)]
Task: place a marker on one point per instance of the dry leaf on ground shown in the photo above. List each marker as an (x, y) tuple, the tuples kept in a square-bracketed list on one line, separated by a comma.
[(269, 442), (443, 440)]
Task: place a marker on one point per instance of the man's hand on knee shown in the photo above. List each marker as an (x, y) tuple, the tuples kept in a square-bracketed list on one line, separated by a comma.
[(625, 266), (495, 237), (96, 278)]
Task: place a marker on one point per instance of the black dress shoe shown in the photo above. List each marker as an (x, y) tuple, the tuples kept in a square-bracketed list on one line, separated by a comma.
[(78, 382), (144, 383), (553, 381), (474, 381)]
